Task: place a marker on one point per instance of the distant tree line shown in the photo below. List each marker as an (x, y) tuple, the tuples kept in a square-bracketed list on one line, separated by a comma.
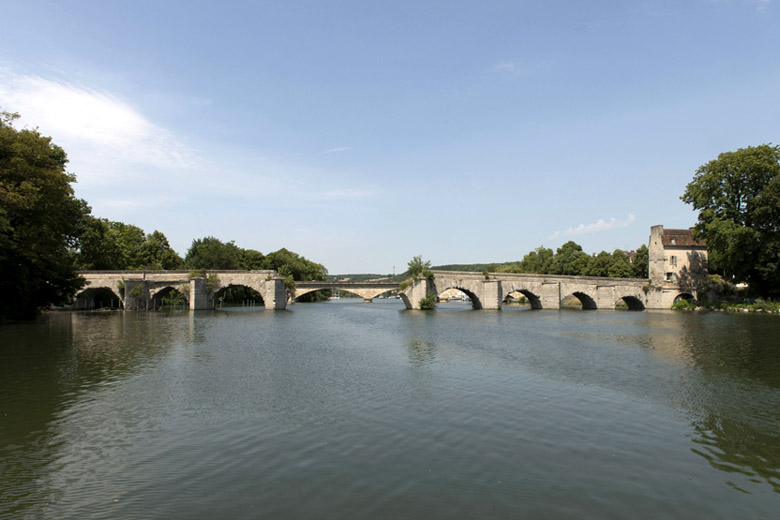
[(568, 259)]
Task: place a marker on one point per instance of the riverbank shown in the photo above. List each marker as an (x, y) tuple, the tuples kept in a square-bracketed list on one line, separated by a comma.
[(757, 306)]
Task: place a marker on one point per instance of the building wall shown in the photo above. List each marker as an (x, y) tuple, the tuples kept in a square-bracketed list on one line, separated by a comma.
[(676, 258)]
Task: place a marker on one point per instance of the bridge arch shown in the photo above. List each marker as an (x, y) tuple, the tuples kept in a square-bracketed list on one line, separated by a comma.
[(587, 301), (634, 303), (158, 295), (236, 293), (98, 297), (475, 301), (533, 299)]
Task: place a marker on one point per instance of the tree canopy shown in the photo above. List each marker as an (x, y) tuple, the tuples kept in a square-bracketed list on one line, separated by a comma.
[(39, 222), (737, 196), (107, 245)]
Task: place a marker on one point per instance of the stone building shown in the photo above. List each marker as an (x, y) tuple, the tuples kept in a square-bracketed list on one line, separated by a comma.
[(676, 258)]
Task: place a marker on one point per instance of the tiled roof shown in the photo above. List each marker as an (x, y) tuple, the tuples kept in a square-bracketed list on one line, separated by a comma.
[(680, 238)]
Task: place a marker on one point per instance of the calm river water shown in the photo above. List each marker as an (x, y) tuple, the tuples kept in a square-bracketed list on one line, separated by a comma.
[(350, 410)]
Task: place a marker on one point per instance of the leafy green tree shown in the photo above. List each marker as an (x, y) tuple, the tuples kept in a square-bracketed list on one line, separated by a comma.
[(252, 260), (39, 223), (600, 265), (570, 259), (737, 196), (212, 253), (107, 245), (157, 253), (98, 248), (287, 263), (620, 266), (417, 266), (640, 263)]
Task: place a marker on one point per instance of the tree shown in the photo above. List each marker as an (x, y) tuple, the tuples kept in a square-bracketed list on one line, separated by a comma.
[(640, 262), (737, 196), (570, 259), (212, 253), (287, 263), (104, 244), (157, 253), (599, 265), (417, 266), (39, 223), (620, 266)]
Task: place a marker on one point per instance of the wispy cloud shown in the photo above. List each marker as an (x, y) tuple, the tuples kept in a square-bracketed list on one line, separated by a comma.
[(91, 121), (599, 225), (338, 149)]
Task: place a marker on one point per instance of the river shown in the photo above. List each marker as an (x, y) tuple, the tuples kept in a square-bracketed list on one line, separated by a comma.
[(351, 410)]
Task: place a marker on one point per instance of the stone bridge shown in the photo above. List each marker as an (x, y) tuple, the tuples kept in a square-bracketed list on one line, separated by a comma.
[(134, 290), (547, 291), (367, 290), (145, 289)]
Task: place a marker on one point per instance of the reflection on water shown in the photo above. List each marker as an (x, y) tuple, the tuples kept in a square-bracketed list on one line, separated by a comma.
[(422, 352), (351, 410), (734, 447)]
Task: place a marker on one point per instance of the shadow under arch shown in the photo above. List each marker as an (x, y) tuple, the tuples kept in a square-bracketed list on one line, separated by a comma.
[(588, 303), (533, 299), (98, 298), (684, 296), (633, 303), (235, 294)]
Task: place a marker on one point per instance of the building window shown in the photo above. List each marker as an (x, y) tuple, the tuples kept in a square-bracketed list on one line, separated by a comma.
[(673, 260), (667, 277), (673, 240)]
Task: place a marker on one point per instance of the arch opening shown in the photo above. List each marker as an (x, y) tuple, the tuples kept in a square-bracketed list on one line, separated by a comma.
[(170, 297), (586, 303), (531, 298), (98, 298), (684, 296), (475, 303), (631, 302), (237, 296)]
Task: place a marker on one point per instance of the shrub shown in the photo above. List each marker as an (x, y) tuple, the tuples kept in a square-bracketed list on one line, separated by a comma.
[(429, 302)]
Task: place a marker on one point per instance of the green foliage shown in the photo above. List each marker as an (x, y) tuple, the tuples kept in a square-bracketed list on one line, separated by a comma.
[(737, 196), (620, 266), (569, 259), (252, 260), (287, 263), (417, 266), (428, 302), (137, 291), (486, 274), (212, 253), (684, 305), (212, 283), (404, 285), (39, 222), (107, 245), (641, 262)]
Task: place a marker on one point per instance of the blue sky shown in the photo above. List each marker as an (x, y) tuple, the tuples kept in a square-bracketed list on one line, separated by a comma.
[(360, 134)]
